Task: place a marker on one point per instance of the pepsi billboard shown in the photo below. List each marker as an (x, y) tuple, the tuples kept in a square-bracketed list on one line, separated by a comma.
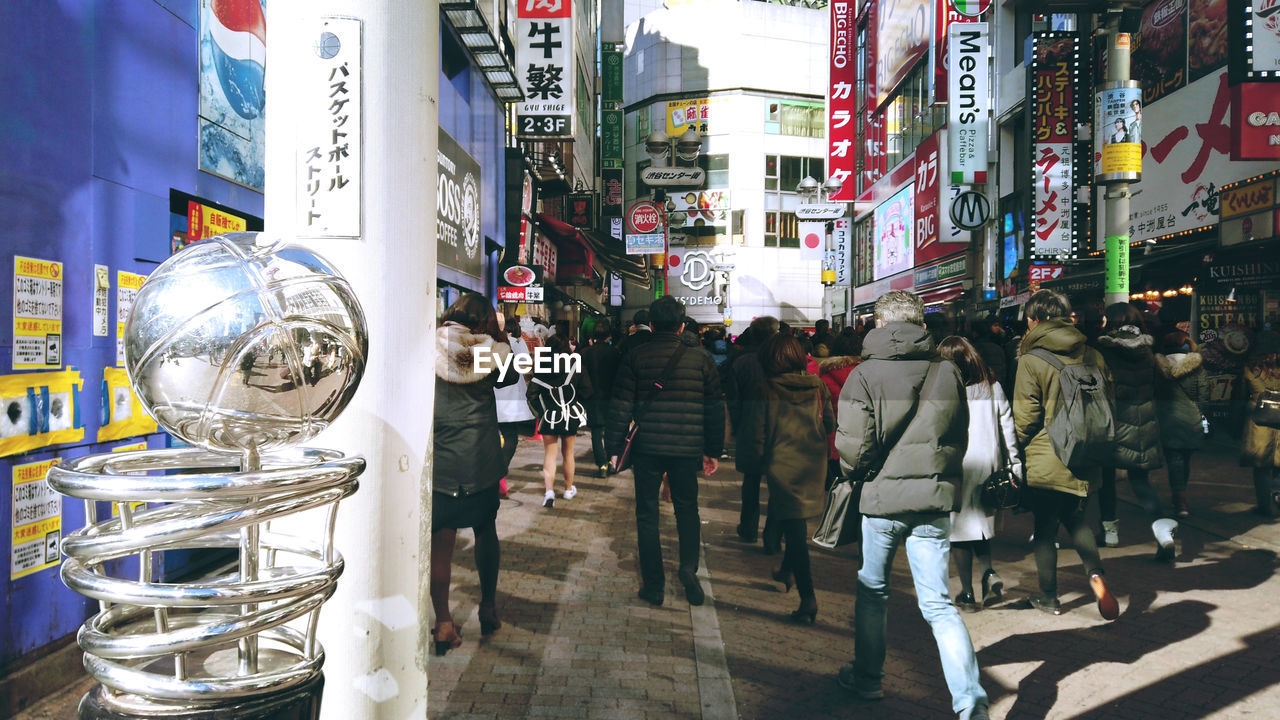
[(233, 63)]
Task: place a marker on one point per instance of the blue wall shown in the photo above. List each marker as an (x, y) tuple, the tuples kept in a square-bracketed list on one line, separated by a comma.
[(473, 117), (97, 123)]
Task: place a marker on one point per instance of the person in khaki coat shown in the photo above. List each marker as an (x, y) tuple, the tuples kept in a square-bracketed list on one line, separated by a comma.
[(1056, 495), (1261, 449), (789, 436)]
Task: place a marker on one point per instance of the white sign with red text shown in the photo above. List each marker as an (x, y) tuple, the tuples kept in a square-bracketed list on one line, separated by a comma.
[(546, 69)]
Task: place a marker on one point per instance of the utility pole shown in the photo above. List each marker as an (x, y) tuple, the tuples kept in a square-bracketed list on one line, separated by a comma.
[(1116, 194)]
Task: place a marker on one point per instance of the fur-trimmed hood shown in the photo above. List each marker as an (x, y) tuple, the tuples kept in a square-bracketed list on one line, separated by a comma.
[(1179, 365), (836, 362), (1126, 338), (455, 353)]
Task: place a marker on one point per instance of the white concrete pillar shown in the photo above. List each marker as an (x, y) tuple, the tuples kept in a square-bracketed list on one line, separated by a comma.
[(374, 629)]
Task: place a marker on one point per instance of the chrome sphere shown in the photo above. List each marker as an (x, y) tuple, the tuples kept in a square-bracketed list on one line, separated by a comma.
[(239, 343)]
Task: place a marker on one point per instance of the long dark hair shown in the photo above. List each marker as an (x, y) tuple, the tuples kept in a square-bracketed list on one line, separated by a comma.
[(782, 353), (964, 355), (1120, 314), (475, 312)]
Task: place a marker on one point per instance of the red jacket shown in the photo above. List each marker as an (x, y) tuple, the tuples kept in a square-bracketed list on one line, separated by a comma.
[(833, 371)]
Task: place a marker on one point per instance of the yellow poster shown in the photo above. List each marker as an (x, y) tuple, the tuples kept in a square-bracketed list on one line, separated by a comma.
[(37, 314), (1121, 158), (695, 113), (127, 286), (38, 410), (124, 416), (205, 222), (37, 520)]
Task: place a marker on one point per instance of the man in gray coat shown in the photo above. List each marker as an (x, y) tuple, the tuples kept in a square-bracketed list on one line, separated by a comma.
[(903, 428)]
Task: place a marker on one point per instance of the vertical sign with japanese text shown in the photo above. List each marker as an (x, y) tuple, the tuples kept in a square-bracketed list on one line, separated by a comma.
[(842, 134), (545, 66), (329, 155), (37, 314), (1053, 130), (970, 106), (612, 198), (842, 248), (37, 520), (611, 131), (127, 286), (101, 300), (927, 240)]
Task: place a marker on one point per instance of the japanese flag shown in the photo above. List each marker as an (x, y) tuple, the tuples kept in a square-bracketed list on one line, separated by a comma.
[(813, 240)]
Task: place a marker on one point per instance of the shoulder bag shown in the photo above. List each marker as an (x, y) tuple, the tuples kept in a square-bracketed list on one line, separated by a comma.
[(1000, 491), (1266, 412), (834, 526), (626, 457)]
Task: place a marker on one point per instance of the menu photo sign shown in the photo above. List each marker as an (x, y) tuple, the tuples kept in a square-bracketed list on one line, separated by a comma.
[(520, 283)]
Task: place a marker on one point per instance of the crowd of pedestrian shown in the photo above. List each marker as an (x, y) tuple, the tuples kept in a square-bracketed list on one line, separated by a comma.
[(917, 417)]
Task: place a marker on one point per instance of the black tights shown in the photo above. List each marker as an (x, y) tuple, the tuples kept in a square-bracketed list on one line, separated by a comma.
[(795, 554), (510, 440), (1079, 516), (962, 552), (488, 556)]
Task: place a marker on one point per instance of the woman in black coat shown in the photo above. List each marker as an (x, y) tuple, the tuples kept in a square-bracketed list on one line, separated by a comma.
[(1127, 350), (468, 457)]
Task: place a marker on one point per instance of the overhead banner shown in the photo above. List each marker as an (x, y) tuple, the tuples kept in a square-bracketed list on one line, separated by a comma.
[(327, 137), (969, 111), (1053, 130), (948, 13), (611, 130), (692, 114), (841, 104), (702, 208), (813, 240), (545, 59), (458, 209)]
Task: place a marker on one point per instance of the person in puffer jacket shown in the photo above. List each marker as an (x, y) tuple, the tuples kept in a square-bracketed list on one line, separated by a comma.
[(903, 428), (1127, 350), (1182, 389), (834, 370), (468, 457)]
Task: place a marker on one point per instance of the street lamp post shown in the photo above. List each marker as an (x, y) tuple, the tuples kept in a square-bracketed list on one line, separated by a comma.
[(809, 191), (661, 150)]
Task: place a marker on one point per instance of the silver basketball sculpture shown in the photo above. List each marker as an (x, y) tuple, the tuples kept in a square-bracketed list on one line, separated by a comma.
[(241, 347), (237, 343)]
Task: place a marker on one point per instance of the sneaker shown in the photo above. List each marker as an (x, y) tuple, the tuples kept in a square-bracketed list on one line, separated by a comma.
[(1164, 530), (1111, 533), (549, 499), (848, 680), (1108, 608), (692, 588), (571, 493)]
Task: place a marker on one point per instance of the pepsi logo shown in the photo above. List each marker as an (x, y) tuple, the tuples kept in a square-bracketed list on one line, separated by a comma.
[(237, 31)]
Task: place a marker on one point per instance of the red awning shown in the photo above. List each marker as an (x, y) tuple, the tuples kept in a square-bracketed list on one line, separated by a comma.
[(942, 294), (561, 232)]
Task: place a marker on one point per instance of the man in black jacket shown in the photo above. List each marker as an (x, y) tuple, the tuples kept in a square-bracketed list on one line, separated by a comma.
[(745, 395), (684, 422), (903, 428), (600, 361)]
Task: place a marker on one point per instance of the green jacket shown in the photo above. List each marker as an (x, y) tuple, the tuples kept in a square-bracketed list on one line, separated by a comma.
[(1035, 398), (790, 438), (922, 461)]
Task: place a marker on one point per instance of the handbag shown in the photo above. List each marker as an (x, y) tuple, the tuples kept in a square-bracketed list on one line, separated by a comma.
[(625, 457), (1000, 491), (1267, 410), (834, 528)]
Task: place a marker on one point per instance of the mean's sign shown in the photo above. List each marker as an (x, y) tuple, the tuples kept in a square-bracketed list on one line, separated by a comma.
[(969, 108), (546, 69)]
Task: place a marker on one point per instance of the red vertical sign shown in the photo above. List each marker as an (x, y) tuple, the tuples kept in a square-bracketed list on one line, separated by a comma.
[(842, 139), (928, 165)]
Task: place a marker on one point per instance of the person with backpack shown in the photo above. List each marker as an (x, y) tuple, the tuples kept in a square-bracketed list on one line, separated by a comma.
[(556, 398), (1062, 414), (1127, 350), (902, 432), (993, 444)]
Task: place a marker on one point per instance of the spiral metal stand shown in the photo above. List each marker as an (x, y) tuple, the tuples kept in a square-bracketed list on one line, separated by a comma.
[(220, 644)]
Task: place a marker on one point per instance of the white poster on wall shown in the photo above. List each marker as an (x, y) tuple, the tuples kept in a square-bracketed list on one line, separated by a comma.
[(1187, 160), (328, 133)]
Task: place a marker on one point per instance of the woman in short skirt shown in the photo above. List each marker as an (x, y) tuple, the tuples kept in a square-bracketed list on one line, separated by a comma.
[(556, 398)]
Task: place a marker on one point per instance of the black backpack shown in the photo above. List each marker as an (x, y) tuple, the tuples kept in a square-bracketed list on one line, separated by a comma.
[(1083, 430)]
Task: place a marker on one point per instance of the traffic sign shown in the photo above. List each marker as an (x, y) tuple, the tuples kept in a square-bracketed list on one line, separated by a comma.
[(820, 211)]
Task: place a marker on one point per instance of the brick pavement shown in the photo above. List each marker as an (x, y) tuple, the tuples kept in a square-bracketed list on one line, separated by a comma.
[(1199, 640)]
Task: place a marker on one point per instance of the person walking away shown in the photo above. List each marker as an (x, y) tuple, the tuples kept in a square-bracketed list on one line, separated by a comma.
[(676, 390), (1126, 349), (903, 427), (834, 371), (790, 438), (468, 459), (1261, 449), (600, 363), (1056, 494), (641, 333), (557, 397), (990, 427), (745, 397), (1182, 389), (513, 406), (988, 340)]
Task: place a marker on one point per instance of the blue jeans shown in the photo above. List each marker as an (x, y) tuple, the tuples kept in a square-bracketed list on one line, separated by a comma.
[(928, 551)]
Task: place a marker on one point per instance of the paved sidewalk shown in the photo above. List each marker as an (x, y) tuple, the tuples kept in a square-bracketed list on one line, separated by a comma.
[(1199, 640)]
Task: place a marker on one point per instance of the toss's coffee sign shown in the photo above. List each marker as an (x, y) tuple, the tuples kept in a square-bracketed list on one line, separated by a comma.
[(968, 113), (458, 209)]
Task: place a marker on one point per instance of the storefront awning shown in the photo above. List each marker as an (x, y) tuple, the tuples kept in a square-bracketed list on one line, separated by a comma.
[(938, 296), (610, 253)]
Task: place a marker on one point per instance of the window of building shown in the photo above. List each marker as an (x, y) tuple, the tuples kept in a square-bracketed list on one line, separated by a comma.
[(781, 229), (793, 117), (782, 174), (908, 117)]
